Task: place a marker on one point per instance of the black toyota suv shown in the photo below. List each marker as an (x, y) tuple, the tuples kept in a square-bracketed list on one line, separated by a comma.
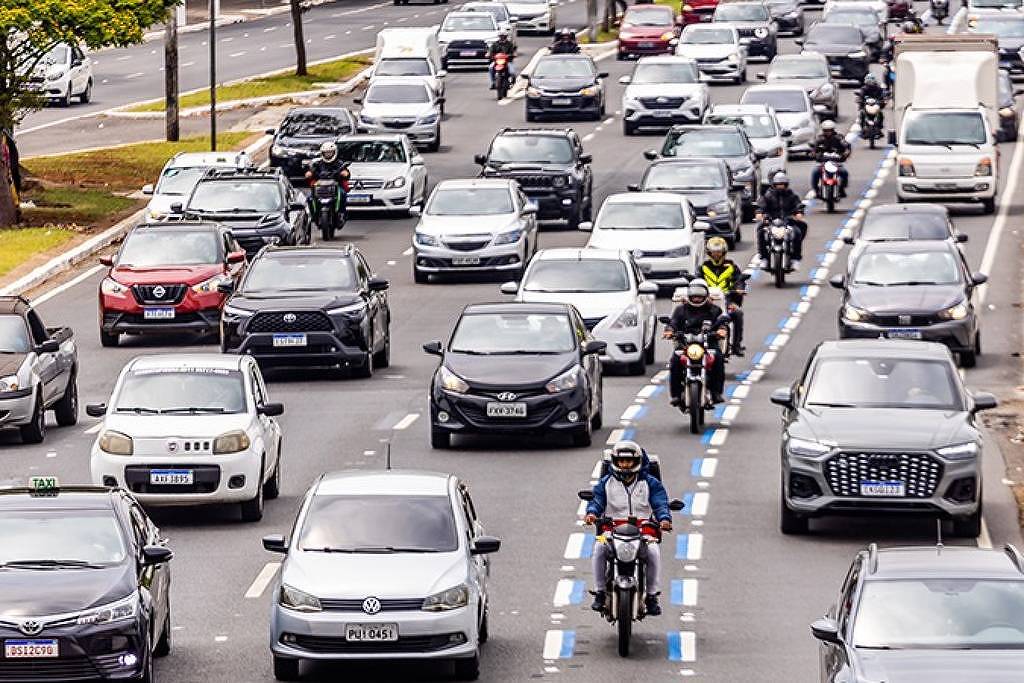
[(259, 206), (307, 306), (85, 586), (551, 167), (297, 140)]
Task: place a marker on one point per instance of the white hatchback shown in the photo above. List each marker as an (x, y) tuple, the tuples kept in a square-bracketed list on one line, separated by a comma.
[(186, 429), (180, 175)]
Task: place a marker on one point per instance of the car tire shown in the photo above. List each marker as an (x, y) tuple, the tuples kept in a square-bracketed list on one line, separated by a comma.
[(440, 438), (636, 368), (147, 674), (969, 526), (988, 206), (163, 643), (286, 669), (468, 668), (109, 340), (628, 128), (364, 371), (419, 277), (35, 430), (649, 350), (66, 409), (86, 96), (583, 437), (272, 489), (435, 146), (252, 510), (484, 632), (791, 523), (383, 358), (65, 101), (530, 118)]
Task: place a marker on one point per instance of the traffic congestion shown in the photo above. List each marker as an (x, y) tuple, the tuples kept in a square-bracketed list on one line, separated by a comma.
[(537, 357)]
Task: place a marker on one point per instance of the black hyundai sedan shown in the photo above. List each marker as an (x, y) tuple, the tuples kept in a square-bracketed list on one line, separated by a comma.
[(297, 140), (911, 290), (517, 368), (565, 86), (848, 54), (85, 585)]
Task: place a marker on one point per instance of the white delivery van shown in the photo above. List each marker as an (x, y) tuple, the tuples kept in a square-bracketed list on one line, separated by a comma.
[(946, 116), (410, 52)]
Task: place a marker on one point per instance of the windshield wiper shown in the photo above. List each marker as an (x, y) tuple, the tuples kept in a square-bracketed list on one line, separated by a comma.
[(831, 405), (471, 352), (916, 282), (371, 549), (138, 410), (193, 410), (51, 564), (520, 352)]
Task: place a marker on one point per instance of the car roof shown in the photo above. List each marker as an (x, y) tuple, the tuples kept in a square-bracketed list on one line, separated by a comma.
[(690, 161), (180, 226), (907, 247), (193, 159), (645, 198), (560, 132), (331, 111), (707, 128), (383, 483), (884, 348), (367, 137), (944, 562), (516, 307), (765, 87), (408, 80), (277, 251), (66, 498), (468, 183), (579, 254), (727, 109), (221, 361), (800, 57), (709, 26), (666, 59), (908, 209), (13, 304)]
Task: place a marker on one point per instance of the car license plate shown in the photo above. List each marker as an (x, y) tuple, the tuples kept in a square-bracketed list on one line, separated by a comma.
[(495, 409), (172, 477), (465, 260), (296, 339), (885, 489), (28, 649), (662, 114), (646, 44), (904, 334), (945, 187), (371, 632), (561, 101), (158, 314), (359, 198), (468, 53)]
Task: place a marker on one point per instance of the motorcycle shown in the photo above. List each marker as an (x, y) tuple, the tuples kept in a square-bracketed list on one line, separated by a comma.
[(940, 10), (628, 540), (502, 75), (829, 180), (327, 207), (697, 353), (780, 249), (871, 120)]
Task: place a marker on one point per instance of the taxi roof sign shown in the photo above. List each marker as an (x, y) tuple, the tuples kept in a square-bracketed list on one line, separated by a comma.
[(44, 485)]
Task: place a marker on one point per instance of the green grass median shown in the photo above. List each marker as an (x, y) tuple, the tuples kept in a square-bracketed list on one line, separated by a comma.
[(18, 245)]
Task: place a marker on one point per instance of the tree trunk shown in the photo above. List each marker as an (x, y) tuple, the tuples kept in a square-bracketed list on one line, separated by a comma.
[(8, 211), (171, 76), (300, 40)]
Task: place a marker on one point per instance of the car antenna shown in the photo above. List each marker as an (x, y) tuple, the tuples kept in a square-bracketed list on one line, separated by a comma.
[(938, 532)]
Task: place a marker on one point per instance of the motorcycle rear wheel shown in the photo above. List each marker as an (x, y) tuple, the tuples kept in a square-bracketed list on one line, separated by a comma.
[(695, 404), (624, 620), (830, 201)]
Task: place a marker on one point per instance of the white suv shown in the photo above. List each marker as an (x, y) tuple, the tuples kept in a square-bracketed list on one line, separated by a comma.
[(190, 429), (62, 74), (179, 178)]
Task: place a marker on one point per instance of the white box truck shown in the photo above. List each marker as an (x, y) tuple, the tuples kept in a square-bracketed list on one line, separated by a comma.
[(410, 52), (946, 118)]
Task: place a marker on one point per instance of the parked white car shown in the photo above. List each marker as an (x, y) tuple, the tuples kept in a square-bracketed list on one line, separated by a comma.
[(472, 226), (793, 110), (386, 172), (717, 50), (179, 178), (63, 74), (606, 287), (658, 228), (662, 91), (762, 129), (185, 429)]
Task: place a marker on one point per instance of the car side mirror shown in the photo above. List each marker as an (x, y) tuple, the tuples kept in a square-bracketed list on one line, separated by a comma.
[(416, 161), (892, 137), (799, 41), (1018, 93), (979, 278), (236, 257), (96, 409), (378, 284), (602, 74), (586, 158), (961, 237), (156, 554), (270, 131), (838, 281), (107, 261), (761, 155), (529, 209), (625, 80), (434, 348), (147, 188), (357, 100), (585, 226), (787, 133), (983, 401), (275, 543), (48, 346), (848, 239), (594, 346), (485, 545), (826, 630), (783, 396), (177, 207), (415, 210), (633, 187), (701, 226), (297, 206), (76, 62), (585, 494), (664, 319), (525, 77), (226, 287), (650, 154), (761, 76), (271, 409), (509, 288), (738, 187), (648, 287), (480, 159), (675, 505)]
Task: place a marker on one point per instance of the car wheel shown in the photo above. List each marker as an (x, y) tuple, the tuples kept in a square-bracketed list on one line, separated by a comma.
[(66, 408), (628, 128), (365, 370), (791, 523), (440, 438), (288, 669), (272, 489), (582, 438), (968, 359), (252, 510), (65, 100), (468, 669), (35, 430), (969, 526), (383, 358), (436, 144), (86, 96), (147, 675), (418, 276), (988, 206), (484, 633), (977, 343), (637, 367), (649, 349), (163, 644), (108, 340)]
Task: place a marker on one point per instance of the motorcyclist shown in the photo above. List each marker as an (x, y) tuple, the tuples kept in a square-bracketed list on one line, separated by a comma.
[(722, 272), (689, 317), (328, 166), (830, 142), (871, 89), (629, 490), (565, 43), (503, 45), (781, 202)]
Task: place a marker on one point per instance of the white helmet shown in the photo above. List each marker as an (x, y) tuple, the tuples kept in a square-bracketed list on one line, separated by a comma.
[(630, 452), (329, 151)]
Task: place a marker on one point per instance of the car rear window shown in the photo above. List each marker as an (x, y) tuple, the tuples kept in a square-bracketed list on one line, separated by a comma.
[(900, 226)]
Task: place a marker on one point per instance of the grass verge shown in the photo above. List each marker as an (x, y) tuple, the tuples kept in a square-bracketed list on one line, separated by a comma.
[(602, 36), (328, 72), (72, 206), (18, 245)]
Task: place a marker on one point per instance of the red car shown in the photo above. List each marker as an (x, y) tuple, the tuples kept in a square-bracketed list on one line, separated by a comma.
[(648, 30), (697, 11), (169, 278)]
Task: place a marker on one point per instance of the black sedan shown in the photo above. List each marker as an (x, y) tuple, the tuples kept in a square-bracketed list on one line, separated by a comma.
[(843, 45), (297, 141), (901, 222), (303, 306), (565, 86), (517, 368), (911, 290), (85, 586)]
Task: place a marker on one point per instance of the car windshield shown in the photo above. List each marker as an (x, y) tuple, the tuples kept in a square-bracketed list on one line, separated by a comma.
[(755, 125), (1003, 28), (379, 524), (567, 276), (995, 4), (402, 67), (904, 226), (945, 128), (942, 613), (14, 335), (702, 143), (664, 72), (707, 37), (300, 273), (310, 124), (783, 101), (683, 177), (644, 216), (181, 390), (49, 538), (470, 201), (535, 149), (148, 248), (883, 268), (741, 12), (559, 67), (478, 22), (179, 181), (395, 93), (798, 68), (228, 196), (372, 151), (862, 19), (513, 333), (59, 54), (654, 16), (883, 383), (833, 34)]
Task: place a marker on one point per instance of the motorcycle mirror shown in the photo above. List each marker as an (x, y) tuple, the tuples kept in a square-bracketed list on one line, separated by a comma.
[(585, 494), (838, 281), (675, 505)]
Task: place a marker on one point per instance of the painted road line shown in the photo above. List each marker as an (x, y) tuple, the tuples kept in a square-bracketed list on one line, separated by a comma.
[(689, 546), (67, 285), (741, 391), (683, 592), (596, 472), (559, 644), (682, 646), (704, 467), (615, 436), (697, 503), (718, 437), (730, 413), (632, 413), (994, 235), (569, 592), (660, 376), (406, 421), (262, 580), (582, 509), (579, 546), (649, 390)]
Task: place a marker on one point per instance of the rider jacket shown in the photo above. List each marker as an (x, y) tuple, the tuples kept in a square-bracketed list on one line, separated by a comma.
[(501, 46), (329, 170), (690, 319), (871, 90), (726, 275), (780, 203), (831, 143), (645, 498)]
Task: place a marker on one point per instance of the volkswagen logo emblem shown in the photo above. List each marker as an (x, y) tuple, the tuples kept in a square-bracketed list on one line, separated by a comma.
[(506, 396), (371, 605), (172, 446), (904, 319), (159, 291), (30, 627), (290, 318)]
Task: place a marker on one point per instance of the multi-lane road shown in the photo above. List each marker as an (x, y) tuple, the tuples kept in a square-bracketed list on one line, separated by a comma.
[(738, 594)]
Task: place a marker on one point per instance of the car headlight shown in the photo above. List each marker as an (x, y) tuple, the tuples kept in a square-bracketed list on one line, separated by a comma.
[(452, 382), (279, 151), (957, 312), (429, 118), (797, 446), (9, 383), (368, 120), (826, 90), (532, 92), (210, 286), (678, 252), (718, 208), (559, 181), (300, 601), (453, 598), (110, 613), (760, 32), (112, 287), (859, 54), (427, 240), (631, 103), (55, 75), (510, 237), (960, 451), (231, 311), (694, 352), (984, 167), (570, 379), (398, 181), (1006, 112), (668, 35), (231, 442), (854, 314), (630, 317), (589, 91), (357, 307), (734, 58), (744, 174), (907, 168), (116, 443)]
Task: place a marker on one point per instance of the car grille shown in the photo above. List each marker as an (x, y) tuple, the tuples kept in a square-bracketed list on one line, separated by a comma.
[(648, 254), (338, 645), (159, 294), (206, 477), (591, 323), (902, 320), (398, 124), (919, 472), (662, 102), (709, 60), (533, 182), (467, 45), (305, 321), (60, 669), (386, 605), (467, 242), (367, 184)]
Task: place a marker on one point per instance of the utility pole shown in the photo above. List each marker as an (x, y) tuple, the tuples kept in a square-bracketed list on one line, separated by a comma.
[(214, 6), (171, 76), (300, 40), (592, 20)]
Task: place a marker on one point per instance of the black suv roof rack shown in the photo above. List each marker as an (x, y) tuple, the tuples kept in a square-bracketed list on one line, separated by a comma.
[(248, 172), (510, 129)]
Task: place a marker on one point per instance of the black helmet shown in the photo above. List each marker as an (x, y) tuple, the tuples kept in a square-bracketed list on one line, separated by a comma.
[(870, 80), (626, 460)]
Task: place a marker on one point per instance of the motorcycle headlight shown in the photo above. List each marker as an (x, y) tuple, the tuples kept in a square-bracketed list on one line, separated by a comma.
[(779, 231), (112, 287), (429, 118), (678, 252), (859, 54), (9, 383), (559, 181), (694, 352), (232, 312), (760, 32), (210, 286), (452, 382), (589, 91), (300, 601), (396, 182), (532, 92), (806, 447), (453, 598), (854, 314), (116, 443), (630, 317), (427, 240), (626, 551), (231, 442), (957, 312), (960, 451), (510, 237), (570, 379), (110, 613), (984, 167)]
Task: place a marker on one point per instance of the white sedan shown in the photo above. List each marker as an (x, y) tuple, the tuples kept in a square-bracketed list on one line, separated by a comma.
[(387, 173), (190, 429)]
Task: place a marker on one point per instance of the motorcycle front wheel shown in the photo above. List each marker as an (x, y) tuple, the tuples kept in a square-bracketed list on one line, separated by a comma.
[(830, 200), (326, 225), (778, 271), (624, 620), (695, 403), (502, 86)]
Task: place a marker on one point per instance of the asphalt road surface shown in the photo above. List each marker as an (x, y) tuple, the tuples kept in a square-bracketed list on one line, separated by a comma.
[(737, 594)]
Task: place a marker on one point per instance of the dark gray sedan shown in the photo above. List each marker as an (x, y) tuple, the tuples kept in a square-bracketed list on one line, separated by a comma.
[(843, 45)]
